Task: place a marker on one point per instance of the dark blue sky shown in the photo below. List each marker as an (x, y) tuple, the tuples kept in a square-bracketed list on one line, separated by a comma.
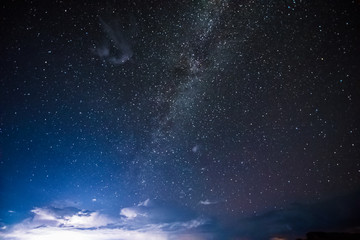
[(217, 114)]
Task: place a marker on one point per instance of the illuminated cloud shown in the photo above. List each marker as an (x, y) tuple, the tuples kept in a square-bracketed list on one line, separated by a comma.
[(73, 223), (61, 233), (129, 213)]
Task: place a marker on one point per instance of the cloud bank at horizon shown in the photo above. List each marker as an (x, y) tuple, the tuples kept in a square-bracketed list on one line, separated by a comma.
[(135, 223)]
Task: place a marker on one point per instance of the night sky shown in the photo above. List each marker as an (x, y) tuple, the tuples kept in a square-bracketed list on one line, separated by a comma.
[(190, 119)]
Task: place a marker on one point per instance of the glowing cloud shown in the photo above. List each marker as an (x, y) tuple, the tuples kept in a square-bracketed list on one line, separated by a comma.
[(73, 223)]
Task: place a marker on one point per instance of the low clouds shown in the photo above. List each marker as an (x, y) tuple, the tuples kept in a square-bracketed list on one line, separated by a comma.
[(334, 214), (68, 217), (158, 220), (135, 223), (57, 233)]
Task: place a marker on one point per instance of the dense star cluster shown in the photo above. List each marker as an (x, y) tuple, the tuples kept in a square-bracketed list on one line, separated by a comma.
[(225, 109)]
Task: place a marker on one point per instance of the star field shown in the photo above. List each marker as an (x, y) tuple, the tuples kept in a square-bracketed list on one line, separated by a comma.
[(229, 109)]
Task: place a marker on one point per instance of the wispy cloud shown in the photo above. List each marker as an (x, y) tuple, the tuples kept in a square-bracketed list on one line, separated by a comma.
[(208, 202), (119, 50), (144, 203)]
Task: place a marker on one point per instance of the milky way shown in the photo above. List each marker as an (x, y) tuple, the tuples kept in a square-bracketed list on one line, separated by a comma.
[(174, 119)]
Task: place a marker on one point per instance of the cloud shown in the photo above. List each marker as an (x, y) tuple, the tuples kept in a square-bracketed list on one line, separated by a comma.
[(129, 213), (102, 51), (136, 223), (152, 219), (66, 217), (56, 233), (144, 203), (118, 50), (336, 214), (207, 202)]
